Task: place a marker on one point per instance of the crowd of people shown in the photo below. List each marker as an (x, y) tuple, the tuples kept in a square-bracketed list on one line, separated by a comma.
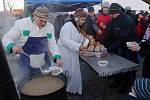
[(113, 26)]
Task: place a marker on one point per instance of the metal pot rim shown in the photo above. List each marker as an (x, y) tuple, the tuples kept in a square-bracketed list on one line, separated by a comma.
[(61, 76)]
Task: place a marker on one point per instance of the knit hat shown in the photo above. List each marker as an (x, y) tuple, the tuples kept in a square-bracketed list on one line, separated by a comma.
[(80, 13), (91, 9), (42, 12), (105, 4), (115, 8), (142, 88)]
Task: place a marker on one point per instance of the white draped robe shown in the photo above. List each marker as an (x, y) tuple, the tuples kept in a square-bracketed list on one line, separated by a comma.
[(69, 43)]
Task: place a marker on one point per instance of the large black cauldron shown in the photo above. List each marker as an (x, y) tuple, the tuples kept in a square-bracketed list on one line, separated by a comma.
[(57, 95)]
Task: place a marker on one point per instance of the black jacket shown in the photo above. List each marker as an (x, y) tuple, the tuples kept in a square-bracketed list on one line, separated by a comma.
[(119, 31), (134, 17), (145, 52), (91, 24), (145, 48)]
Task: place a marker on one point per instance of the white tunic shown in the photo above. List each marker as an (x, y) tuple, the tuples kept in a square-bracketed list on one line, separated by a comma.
[(69, 42)]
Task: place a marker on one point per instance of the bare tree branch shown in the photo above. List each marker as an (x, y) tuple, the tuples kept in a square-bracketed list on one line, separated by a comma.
[(11, 5)]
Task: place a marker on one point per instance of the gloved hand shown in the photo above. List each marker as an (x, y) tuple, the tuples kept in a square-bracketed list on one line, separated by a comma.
[(144, 43)]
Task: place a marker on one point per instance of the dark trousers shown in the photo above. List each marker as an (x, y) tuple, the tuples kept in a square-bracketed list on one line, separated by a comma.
[(146, 68), (125, 79)]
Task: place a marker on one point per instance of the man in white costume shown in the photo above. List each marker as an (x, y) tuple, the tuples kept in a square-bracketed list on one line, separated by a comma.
[(35, 36), (70, 43)]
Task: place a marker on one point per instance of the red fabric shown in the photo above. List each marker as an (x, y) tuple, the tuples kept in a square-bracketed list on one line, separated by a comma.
[(102, 19), (139, 29)]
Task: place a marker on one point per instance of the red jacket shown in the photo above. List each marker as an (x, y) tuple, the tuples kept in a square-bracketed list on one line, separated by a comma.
[(103, 21)]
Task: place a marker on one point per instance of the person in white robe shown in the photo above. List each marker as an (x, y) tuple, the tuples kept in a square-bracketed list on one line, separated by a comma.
[(70, 43)]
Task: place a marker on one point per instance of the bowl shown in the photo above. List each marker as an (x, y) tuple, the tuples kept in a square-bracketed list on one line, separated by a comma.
[(55, 70), (45, 71), (102, 63)]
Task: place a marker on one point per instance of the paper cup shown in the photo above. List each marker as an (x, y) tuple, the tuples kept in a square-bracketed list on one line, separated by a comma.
[(129, 44)]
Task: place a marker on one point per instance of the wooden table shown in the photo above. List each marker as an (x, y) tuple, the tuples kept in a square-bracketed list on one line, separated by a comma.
[(116, 65)]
